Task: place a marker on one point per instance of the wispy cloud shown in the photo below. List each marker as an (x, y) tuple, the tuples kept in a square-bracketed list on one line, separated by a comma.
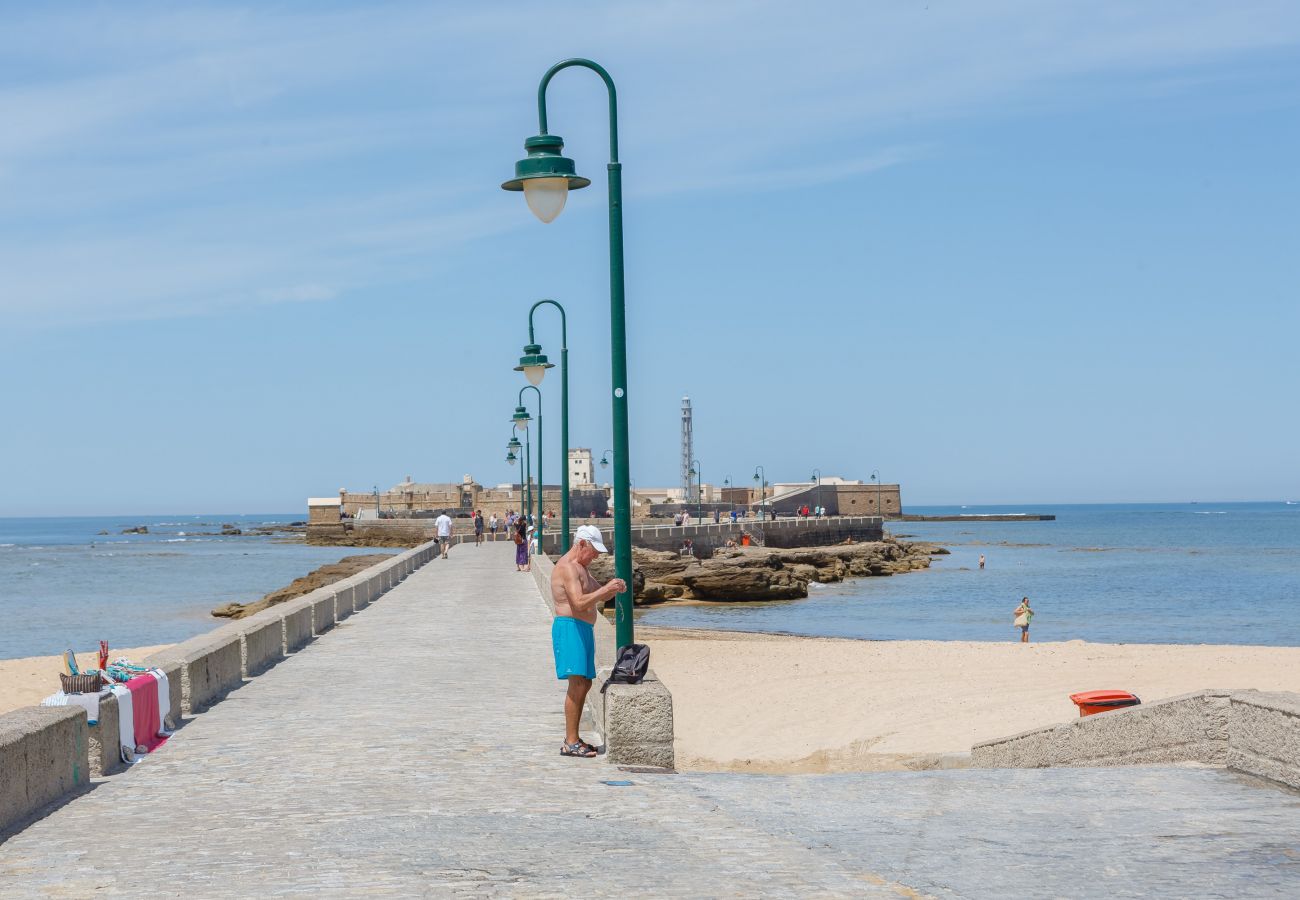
[(170, 161)]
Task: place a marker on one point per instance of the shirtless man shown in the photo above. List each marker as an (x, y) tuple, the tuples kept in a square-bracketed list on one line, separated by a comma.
[(577, 598)]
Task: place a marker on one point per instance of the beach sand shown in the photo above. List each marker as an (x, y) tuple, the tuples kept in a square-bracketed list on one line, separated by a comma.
[(28, 681), (777, 703)]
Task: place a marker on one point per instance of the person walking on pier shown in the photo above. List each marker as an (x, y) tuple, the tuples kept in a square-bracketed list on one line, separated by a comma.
[(478, 527), (443, 524), (578, 596), (492, 527), (520, 537)]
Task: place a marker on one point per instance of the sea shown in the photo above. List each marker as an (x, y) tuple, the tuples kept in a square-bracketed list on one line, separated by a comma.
[(71, 582), (1189, 573)]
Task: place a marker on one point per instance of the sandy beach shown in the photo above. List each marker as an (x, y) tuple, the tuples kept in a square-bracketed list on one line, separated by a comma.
[(777, 703), (28, 681)]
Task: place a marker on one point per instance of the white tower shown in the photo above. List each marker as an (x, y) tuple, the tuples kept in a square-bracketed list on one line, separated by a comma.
[(688, 452)]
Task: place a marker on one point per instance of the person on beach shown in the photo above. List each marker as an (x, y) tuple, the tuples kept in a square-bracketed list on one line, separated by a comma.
[(478, 527), (981, 560), (1024, 615), (492, 526), (520, 537), (578, 596), (443, 524)]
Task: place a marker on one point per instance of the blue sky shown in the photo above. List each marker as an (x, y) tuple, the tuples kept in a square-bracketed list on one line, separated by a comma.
[(1003, 252)]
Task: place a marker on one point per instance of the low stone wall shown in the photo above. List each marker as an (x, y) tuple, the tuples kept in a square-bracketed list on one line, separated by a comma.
[(1265, 735), (785, 533), (48, 753), (43, 759), (635, 720), (1248, 731)]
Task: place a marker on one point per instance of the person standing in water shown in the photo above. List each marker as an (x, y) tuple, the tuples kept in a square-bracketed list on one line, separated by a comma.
[(981, 560), (1024, 615)]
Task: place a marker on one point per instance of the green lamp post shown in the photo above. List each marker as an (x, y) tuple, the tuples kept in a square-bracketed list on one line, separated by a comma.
[(514, 447), (875, 476), (376, 503), (817, 474), (762, 489), (534, 365), (699, 490), (546, 177), (521, 420)]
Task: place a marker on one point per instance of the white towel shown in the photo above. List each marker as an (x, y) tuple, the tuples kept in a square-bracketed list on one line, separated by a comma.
[(88, 702), (164, 700), (125, 722)]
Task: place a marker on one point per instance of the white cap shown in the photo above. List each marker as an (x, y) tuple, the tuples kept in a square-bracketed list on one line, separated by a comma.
[(590, 534)]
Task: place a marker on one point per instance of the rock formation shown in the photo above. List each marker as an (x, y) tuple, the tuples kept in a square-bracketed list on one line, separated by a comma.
[(761, 573), (328, 574)]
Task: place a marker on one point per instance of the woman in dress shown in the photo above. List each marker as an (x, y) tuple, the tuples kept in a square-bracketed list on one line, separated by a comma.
[(521, 544), (1024, 615)]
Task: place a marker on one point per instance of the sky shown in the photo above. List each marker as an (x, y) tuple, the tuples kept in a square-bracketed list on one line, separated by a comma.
[(1003, 252)]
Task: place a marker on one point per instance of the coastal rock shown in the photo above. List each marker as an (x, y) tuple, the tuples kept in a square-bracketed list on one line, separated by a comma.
[(139, 529), (328, 574)]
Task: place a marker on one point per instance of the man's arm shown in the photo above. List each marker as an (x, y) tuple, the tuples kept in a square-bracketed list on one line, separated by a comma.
[(580, 601)]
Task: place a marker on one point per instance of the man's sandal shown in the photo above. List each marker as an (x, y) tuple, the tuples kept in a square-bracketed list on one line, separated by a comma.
[(580, 749)]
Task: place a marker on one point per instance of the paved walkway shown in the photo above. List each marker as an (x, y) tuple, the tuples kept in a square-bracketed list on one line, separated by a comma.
[(413, 751)]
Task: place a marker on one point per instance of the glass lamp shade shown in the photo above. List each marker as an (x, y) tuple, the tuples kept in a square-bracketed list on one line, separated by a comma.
[(604, 463), (521, 418), (546, 197), (510, 458), (534, 364)]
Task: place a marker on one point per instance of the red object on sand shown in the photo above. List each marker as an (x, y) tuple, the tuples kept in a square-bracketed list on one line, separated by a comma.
[(144, 699), (1092, 702)]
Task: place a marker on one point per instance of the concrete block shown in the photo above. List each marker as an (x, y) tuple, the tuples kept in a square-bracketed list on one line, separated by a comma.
[(322, 610), (361, 594), (296, 616), (212, 666), (44, 756), (1265, 735), (105, 753), (638, 724), (171, 667), (261, 642), (343, 602)]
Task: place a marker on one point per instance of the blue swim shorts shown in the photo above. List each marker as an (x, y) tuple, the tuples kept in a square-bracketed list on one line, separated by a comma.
[(574, 643)]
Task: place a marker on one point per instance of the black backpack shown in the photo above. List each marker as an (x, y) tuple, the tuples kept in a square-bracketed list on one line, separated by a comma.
[(630, 666)]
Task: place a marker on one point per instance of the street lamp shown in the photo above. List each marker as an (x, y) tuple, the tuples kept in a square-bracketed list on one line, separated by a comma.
[(699, 489), (762, 489), (521, 420), (376, 503), (817, 473), (875, 476), (546, 177), (534, 365), (514, 447)]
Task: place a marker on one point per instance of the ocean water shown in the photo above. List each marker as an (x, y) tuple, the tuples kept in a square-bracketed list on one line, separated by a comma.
[(62, 584), (1195, 573)]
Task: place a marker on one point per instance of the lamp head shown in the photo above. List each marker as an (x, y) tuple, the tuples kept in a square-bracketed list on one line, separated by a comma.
[(521, 418), (604, 462), (545, 176), (514, 445), (510, 457), (534, 364)]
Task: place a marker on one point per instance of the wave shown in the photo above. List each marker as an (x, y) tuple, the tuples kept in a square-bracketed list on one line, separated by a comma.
[(1206, 512)]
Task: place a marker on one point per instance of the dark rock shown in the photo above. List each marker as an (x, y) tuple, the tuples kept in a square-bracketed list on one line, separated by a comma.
[(139, 529)]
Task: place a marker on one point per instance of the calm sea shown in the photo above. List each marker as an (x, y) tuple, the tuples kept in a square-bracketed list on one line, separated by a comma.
[(63, 584), (1143, 573)]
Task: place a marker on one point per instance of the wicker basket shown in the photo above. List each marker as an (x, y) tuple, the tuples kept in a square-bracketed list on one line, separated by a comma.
[(82, 684)]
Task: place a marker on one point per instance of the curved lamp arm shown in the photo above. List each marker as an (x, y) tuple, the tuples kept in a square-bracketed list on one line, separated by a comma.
[(564, 323), (613, 99)]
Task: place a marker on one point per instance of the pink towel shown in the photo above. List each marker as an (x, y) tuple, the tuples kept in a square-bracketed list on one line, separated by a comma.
[(144, 699)]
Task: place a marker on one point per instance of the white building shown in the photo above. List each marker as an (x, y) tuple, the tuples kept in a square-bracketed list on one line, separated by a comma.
[(581, 470)]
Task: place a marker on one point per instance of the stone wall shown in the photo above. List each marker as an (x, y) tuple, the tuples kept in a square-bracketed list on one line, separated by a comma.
[(785, 533), (1248, 731), (634, 720)]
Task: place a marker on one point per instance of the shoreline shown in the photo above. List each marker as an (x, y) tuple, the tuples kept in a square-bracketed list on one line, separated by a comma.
[(772, 703), (27, 680)]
